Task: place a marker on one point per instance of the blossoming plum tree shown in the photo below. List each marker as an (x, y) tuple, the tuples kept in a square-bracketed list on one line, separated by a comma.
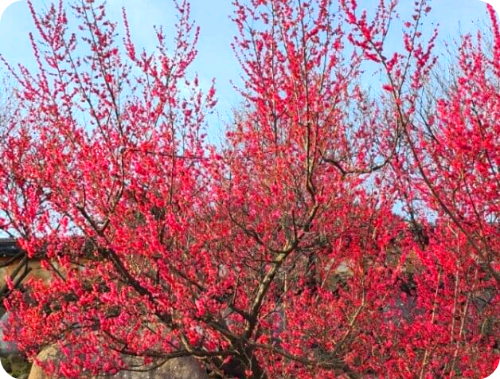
[(279, 254)]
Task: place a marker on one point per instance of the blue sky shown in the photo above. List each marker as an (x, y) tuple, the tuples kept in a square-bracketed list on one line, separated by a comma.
[(215, 59)]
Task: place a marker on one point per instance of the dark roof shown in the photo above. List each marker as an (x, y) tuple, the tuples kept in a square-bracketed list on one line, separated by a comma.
[(8, 247)]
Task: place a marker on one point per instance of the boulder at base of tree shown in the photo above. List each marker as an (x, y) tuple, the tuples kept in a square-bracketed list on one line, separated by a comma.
[(178, 368)]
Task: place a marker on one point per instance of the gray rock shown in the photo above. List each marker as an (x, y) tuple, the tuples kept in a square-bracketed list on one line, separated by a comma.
[(6, 348)]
